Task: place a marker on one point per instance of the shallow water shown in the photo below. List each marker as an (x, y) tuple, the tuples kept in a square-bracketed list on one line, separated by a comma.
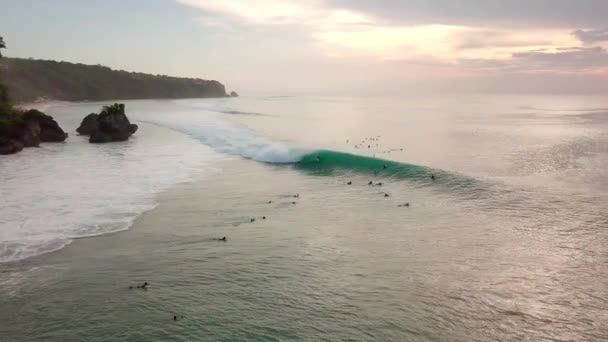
[(53, 194), (507, 243)]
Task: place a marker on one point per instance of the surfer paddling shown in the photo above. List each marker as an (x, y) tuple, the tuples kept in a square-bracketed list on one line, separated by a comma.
[(143, 286)]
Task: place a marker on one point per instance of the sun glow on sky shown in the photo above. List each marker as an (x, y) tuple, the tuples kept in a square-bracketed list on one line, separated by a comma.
[(333, 43), (345, 33)]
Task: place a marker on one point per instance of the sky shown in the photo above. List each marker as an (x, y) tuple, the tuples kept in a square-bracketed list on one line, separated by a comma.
[(332, 46)]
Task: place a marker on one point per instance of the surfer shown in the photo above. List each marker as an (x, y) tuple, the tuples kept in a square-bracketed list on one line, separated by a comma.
[(370, 183), (144, 286), (350, 183), (252, 220), (433, 177), (386, 195)]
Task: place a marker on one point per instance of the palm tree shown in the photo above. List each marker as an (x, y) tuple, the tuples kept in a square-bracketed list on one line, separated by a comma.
[(2, 46)]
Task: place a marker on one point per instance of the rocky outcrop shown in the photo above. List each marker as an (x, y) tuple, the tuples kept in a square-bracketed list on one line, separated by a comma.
[(27, 129), (10, 146), (110, 125), (48, 128), (30, 134), (89, 124), (234, 94)]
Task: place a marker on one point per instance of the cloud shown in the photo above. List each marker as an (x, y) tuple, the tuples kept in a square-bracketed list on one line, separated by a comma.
[(567, 59), (390, 42), (591, 36), (281, 12), (456, 37), (439, 41), (342, 30), (504, 13), (349, 29), (575, 60), (499, 38)]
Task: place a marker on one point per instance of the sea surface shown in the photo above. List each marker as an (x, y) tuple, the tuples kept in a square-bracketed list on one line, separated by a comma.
[(486, 220)]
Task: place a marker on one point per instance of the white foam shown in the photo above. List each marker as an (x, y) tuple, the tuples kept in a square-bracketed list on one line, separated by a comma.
[(51, 195), (60, 192), (200, 120)]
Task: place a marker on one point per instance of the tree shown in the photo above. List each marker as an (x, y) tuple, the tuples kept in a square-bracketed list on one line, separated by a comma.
[(2, 45), (4, 105)]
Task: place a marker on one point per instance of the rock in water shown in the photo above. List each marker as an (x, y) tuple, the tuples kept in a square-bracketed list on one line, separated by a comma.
[(116, 125), (10, 146), (49, 128), (234, 94), (133, 128), (89, 124), (99, 137), (27, 129), (110, 125), (30, 134)]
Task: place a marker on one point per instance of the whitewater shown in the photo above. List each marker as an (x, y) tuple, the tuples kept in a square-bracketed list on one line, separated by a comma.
[(392, 219), (60, 192)]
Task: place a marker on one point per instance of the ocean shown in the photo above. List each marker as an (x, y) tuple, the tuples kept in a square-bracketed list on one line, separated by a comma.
[(419, 218)]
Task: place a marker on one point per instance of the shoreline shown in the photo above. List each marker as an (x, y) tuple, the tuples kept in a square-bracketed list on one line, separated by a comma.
[(42, 260), (135, 199), (115, 99), (42, 106), (307, 255)]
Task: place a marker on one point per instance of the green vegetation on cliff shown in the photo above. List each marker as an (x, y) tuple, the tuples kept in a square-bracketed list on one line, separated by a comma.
[(6, 108), (30, 80), (2, 46), (19, 129)]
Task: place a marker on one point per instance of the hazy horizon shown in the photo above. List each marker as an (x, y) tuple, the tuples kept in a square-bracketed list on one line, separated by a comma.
[(333, 46)]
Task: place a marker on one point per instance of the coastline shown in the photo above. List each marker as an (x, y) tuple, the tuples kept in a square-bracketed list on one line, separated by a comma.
[(80, 246), (64, 203), (308, 255), (42, 105), (76, 81)]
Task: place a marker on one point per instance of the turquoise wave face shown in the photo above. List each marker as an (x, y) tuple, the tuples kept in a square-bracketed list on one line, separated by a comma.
[(328, 163)]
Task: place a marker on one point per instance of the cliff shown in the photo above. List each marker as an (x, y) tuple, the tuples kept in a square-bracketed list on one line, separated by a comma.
[(29, 80)]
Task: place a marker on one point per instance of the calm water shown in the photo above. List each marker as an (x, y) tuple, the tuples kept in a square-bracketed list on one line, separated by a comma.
[(507, 243)]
